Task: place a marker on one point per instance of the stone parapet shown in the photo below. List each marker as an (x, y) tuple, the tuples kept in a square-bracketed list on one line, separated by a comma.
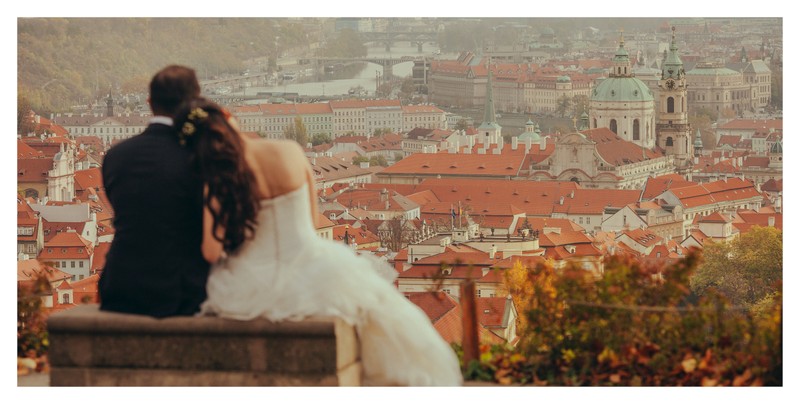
[(89, 347)]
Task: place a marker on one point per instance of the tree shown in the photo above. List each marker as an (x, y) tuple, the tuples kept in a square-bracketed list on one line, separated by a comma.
[(630, 327), (381, 131), (320, 138), (346, 44), (746, 270), (563, 105), (25, 123), (407, 88), (461, 124), (297, 131), (396, 233), (580, 104)]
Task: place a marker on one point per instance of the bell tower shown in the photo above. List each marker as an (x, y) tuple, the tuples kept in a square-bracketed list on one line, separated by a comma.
[(672, 126)]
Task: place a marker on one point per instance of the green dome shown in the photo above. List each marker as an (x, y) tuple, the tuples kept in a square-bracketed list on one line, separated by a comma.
[(622, 89), (532, 135)]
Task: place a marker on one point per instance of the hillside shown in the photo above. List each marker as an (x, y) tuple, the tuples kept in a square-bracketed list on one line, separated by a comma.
[(68, 61)]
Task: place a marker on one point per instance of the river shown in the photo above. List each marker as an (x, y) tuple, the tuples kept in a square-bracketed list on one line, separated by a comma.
[(365, 78)]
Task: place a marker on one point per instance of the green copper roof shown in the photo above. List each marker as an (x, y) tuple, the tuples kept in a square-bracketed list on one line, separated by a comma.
[(698, 141), (672, 66), (535, 137), (563, 79), (622, 89), (712, 71)]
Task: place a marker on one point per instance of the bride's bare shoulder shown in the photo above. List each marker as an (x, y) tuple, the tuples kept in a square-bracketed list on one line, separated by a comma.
[(278, 151)]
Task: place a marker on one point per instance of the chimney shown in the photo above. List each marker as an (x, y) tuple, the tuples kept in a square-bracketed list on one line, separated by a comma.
[(543, 143), (572, 194), (561, 201), (492, 251), (514, 143), (771, 221)]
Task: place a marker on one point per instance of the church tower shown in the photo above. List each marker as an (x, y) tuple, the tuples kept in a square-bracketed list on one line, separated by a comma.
[(109, 105), (61, 179), (672, 127), (489, 131)]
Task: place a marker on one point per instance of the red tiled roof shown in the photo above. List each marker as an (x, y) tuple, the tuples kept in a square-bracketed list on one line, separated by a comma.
[(615, 150), (434, 304), (67, 245), (644, 237), (773, 185), (490, 311), (360, 235), (85, 290), (33, 170), (99, 259), (321, 222), (28, 270), (715, 217), (51, 229), (489, 165), (754, 124), (658, 185), (91, 178), (24, 151)]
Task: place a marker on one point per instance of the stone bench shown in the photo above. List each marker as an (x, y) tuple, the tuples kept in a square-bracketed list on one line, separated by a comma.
[(89, 347)]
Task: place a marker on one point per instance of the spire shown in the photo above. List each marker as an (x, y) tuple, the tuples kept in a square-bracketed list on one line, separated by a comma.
[(672, 66), (584, 120), (489, 126), (488, 112), (622, 63), (698, 142)]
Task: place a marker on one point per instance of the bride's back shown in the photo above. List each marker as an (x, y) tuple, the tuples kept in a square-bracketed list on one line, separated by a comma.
[(279, 166)]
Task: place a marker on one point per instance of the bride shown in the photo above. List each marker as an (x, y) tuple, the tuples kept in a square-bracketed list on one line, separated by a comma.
[(269, 262)]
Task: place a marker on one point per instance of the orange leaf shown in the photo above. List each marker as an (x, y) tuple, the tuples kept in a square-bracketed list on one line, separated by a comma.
[(707, 382), (689, 365), (743, 378), (615, 378)]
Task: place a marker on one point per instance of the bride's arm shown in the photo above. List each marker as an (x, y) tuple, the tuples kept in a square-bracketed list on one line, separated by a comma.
[(312, 192), (212, 248)]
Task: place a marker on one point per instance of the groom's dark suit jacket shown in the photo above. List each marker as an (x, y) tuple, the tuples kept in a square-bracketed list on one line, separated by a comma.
[(155, 265)]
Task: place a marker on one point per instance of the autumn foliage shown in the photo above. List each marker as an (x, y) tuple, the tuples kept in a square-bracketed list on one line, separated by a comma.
[(634, 326)]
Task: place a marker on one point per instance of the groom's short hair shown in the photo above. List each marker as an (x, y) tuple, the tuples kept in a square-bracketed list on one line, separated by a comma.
[(170, 87)]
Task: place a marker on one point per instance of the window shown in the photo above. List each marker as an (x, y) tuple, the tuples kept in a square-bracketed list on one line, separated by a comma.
[(613, 126), (670, 105), (635, 129), (669, 141), (63, 264), (65, 298), (72, 264), (80, 264)]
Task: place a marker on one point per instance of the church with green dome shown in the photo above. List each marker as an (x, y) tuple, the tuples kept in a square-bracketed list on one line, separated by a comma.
[(623, 103)]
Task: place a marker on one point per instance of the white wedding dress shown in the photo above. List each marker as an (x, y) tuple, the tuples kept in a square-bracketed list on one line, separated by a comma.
[(288, 272)]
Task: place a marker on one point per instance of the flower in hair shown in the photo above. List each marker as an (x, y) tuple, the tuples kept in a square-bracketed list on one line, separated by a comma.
[(188, 129), (197, 114)]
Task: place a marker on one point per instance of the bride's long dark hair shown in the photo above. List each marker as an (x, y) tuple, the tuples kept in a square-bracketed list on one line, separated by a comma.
[(218, 155)]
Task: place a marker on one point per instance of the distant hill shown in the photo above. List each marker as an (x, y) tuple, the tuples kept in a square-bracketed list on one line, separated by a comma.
[(68, 61)]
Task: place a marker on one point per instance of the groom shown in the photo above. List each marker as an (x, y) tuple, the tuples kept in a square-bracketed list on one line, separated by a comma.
[(155, 266)]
